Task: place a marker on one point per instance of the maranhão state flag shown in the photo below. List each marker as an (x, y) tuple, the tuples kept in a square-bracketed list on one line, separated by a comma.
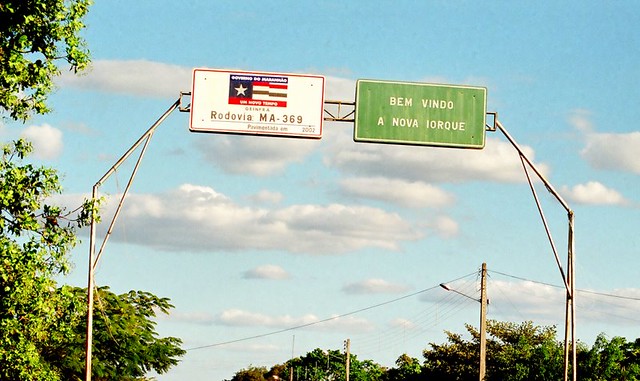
[(258, 90)]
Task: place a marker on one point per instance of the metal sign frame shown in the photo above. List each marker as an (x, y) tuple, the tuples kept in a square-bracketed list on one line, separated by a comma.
[(568, 277)]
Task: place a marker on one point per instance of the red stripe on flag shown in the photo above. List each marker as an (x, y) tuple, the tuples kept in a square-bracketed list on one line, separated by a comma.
[(256, 102), (271, 85)]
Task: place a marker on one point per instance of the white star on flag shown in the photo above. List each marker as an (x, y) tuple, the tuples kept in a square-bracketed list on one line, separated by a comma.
[(241, 90)]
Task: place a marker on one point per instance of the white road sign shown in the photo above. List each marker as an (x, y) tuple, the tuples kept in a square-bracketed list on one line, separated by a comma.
[(257, 103)]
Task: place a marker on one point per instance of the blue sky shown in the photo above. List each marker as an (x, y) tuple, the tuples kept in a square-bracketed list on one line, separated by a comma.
[(253, 236)]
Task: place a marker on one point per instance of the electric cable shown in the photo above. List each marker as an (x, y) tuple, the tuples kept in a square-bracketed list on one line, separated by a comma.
[(322, 320)]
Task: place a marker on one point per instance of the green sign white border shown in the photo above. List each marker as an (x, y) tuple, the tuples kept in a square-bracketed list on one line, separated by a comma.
[(356, 138)]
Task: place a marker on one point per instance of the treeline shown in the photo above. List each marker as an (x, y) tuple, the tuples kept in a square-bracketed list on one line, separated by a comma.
[(515, 352)]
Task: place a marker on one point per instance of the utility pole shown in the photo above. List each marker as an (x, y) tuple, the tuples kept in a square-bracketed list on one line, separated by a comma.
[(293, 343), (483, 321), (347, 347)]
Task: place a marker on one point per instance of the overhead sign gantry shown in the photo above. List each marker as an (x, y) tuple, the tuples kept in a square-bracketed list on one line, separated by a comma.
[(292, 105)]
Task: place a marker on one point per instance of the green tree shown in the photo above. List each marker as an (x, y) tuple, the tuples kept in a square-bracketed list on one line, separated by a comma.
[(614, 359), (126, 345), (522, 351), (407, 369), (35, 238), (251, 373), (278, 371), (456, 360), (514, 352), (364, 370), (324, 365), (631, 363), (35, 35)]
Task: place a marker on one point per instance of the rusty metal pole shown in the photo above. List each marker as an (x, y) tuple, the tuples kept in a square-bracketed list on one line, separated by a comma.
[(90, 282), (93, 258), (572, 284), (569, 277)]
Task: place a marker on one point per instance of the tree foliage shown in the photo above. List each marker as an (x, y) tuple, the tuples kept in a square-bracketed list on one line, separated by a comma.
[(407, 369), (126, 344), (529, 352), (614, 359), (365, 370), (514, 352), (251, 373), (523, 351), (35, 238), (35, 35), (317, 365), (43, 326), (456, 360)]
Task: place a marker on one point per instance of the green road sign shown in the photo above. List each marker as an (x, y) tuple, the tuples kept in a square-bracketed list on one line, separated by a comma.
[(420, 114)]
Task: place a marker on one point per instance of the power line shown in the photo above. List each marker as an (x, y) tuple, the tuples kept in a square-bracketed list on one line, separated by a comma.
[(418, 325), (323, 320), (394, 301), (557, 286)]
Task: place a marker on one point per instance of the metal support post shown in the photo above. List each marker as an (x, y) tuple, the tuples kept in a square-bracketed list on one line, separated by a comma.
[(569, 277), (93, 258)]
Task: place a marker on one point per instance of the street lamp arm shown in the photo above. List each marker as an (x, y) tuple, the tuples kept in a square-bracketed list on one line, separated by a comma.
[(446, 287)]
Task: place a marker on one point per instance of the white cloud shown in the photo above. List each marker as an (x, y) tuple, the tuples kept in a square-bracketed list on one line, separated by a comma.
[(254, 348), (158, 79), (200, 219), (510, 301), (340, 89), (411, 194), (617, 306), (581, 120), (46, 140), (498, 161), (267, 272), (241, 318), (80, 128), (545, 304), (613, 151), (527, 300), (259, 156), (374, 286), (607, 151), (268, 197), (446, 227), (135, 77), (403, 324), (593, 193)]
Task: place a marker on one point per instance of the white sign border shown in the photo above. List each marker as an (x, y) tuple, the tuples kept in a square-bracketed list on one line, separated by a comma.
[(199, 107)]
